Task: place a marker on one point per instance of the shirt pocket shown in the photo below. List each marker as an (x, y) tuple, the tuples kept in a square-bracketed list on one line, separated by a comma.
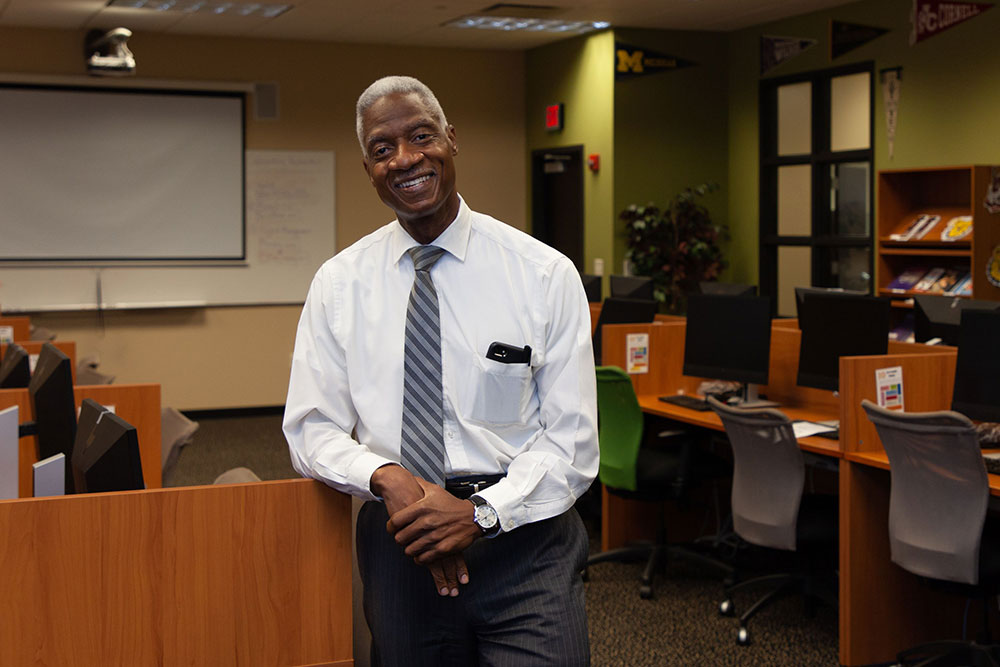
[(500, 392)]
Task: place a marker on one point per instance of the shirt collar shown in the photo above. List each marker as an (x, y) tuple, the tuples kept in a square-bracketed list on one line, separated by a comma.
[(454, 239)]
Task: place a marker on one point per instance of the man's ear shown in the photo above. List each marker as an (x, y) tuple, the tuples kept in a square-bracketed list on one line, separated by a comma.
[(452, 139)]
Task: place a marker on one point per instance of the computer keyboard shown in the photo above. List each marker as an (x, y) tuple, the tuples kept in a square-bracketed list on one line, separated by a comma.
[(992, 462), (685, 401), (830, 435)]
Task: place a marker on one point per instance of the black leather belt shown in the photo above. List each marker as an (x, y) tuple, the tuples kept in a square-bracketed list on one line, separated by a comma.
[(463, 487)]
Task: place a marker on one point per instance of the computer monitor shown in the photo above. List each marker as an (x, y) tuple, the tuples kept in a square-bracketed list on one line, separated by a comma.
[(15, 369), (937, 316), (632, 287), (729, 338), (592, 286), (106, 452), (835, 325), (732, 289), (51, 391), (622, 311), (800, 293), (977, 391)]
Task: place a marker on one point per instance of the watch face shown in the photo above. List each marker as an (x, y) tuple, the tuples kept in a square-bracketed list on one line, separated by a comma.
[(485, 517)]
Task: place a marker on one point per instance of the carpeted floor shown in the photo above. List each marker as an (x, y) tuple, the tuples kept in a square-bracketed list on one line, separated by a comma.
[(679, 626)]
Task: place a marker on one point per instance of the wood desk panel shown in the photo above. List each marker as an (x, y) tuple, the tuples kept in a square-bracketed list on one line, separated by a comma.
[(21, 326), (248, 574), (927, 385)]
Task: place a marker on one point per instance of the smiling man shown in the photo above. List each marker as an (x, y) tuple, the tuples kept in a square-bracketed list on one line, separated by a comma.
[(443, 371)]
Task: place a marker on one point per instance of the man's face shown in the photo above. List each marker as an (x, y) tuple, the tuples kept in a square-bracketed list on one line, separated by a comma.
[(410, 161)]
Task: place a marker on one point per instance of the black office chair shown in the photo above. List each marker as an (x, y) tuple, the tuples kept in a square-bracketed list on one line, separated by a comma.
[(651, 474), (939, 528), (770, 509)]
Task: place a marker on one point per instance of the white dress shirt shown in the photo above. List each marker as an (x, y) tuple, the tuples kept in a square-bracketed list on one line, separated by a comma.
[(536, 423)]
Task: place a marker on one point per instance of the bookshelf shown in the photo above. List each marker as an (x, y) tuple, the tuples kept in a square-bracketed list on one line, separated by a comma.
[(948, 193)]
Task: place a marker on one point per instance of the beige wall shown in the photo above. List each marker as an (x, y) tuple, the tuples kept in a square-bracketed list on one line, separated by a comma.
[(239, 356)]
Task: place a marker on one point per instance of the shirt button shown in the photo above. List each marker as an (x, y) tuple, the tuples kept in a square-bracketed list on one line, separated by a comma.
[(450, 434)]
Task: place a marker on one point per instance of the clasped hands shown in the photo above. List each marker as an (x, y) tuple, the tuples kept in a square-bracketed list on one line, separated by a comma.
[(432, 526)]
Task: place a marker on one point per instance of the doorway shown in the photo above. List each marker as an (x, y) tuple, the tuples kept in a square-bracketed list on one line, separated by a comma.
[(557, 200)]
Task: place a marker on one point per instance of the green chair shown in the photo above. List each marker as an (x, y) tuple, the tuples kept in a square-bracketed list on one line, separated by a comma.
[(665, 471)]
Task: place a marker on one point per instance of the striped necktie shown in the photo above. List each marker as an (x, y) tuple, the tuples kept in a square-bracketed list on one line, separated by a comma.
[(422, 448)]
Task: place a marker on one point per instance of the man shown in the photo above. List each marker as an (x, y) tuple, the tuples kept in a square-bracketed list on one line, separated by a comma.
[(457, 352)]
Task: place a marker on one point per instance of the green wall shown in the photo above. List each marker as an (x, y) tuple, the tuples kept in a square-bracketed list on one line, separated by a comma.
[(660, 133), (671, 127), (579, 73), (949, 99)]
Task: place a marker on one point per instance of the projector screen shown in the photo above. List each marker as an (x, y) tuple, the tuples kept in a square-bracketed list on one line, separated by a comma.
[(119, 174)]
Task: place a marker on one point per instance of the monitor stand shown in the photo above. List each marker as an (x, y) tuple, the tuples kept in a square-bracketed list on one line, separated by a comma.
[(750, 399)]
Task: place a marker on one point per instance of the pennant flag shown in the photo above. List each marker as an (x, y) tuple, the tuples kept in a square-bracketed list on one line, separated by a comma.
[(891, 79), (776, 50), (932, 17), (846, 37), (635, 61)]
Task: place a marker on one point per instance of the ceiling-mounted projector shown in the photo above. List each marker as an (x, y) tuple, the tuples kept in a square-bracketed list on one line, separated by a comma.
[(107, 52)]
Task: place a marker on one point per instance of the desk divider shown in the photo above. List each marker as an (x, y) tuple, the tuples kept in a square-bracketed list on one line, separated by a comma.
[(138, 404), (927, 386), (248, 574), (20, 325)]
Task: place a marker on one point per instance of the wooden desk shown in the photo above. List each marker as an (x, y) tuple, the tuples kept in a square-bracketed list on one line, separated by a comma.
[(138, 404), (883, 608), (623, 520), (34, 348), (243, 574)]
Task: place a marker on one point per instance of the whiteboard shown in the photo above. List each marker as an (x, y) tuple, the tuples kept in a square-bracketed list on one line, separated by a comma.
[(290, 233)]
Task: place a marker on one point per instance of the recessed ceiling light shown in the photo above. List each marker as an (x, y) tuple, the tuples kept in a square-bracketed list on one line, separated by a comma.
[(509, 23), (266, 10)]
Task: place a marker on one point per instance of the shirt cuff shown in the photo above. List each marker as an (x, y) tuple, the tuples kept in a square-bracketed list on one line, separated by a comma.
[(362, 469), (508, 503)]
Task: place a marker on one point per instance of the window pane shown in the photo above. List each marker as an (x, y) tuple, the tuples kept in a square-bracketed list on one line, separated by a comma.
[(795, 118), (794, 270), (849, 199), (849, 268), (850, 112), (795, 200)]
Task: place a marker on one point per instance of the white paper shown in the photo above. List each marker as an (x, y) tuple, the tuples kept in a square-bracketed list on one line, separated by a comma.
[(637, 353), (50, 476), (889, 387), (8, 453), (804, 429), (6, 334)]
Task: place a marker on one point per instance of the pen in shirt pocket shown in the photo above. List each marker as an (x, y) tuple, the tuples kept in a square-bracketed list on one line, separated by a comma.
[(508, 354)]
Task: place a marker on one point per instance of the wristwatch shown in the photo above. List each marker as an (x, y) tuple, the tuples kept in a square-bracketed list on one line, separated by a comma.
[(485, 516)]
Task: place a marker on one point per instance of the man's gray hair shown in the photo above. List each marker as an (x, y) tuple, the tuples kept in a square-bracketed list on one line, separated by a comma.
[(389, 85)]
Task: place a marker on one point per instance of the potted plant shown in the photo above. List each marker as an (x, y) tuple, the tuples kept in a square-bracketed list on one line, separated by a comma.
[(677, 247)]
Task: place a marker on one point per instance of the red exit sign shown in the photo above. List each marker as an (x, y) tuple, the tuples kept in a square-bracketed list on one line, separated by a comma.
[(554, 117)]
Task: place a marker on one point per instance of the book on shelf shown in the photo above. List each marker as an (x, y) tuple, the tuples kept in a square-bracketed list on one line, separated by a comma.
[(963, 287), (947, 281), (957, 228), (917, 228), (903, 332), (907, 279), (930, 278)]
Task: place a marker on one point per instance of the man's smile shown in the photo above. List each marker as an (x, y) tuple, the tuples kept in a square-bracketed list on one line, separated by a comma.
[(413, 182)]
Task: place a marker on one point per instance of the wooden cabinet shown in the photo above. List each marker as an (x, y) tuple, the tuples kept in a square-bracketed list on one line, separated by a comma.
[(948, 192)]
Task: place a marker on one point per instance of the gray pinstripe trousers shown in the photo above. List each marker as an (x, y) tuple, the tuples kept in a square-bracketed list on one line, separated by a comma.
[(523, 605)]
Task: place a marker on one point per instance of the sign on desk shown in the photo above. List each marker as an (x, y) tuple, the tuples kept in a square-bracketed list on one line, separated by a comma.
[(637, 348)]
